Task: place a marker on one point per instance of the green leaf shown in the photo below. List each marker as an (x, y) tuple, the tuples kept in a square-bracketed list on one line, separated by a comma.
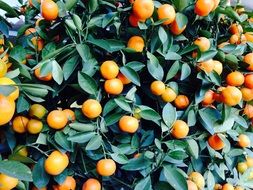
[(40, 177), (22, 104), (135, 65), (70, 3), (182, 20), (169, 114), (207, 55), (137, 164), (61, 139), (4, 6), (170, 55), (193, 148), (57, 72), (173, 70), (162, 34), (94, 143), (121, 102), (16, 169), (82, 127), (78, 22), (87, 83), (148, 113), (69, 66), (154, 68), (7, 89), (144, 184), (18, 53), (206, 121), (84, 52), (92, 5), (211, 180), (181, 4), (119, 158), (81, 137), (185, 71), (131, 74)]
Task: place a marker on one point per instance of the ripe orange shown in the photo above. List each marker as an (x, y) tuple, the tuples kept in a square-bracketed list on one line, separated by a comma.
[(248, 111), (109, 70), (49, 10), (203, 7), (191, 185), (48, 77), (167, 12), (136, 43), (208, 98), (157, 87), (169, 95), (133, 20), (180, 129), (203, 43), (34, 126), (3, 68), (91, 108), (249, 162), (70, 115), (7, 81), (7, 182), (235, 29), (216, 4), (30, 31), (207, 66), (235, 39), (218, 67), (243, 141), (215, 142), (38, 43), (248, 81), (106, 167), (35, 188), (227, 186), (174, 28), (242, 167), (56, 163), (37, 111), (57, 119), (91, 184), (249, 36), (181, 102), (231, 95), (239, 188), (123, 78), (7, 109), (198, 179), (128, 124), (143, 9), (68, 184), (235, 78), (19, 124), (247, 94), (249, 60), (113, 86), (217, 186)]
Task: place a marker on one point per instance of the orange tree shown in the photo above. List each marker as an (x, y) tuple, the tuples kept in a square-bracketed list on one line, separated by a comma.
[(127, 95)]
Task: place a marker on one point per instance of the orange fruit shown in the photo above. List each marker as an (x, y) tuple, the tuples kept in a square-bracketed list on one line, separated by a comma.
[(34, 126), (240, 10), (217, 187), (191, 185), (38, 43), (235, 29), (6, 81), (242, 167), (133, 20), (218, 67), (123, 78), (207, 66), (56, 163), (57, 119), (174, 28), (68, 184), (113, 86), (247, 94), (248, 81), (181, 102), (7, 109), (243, 141), (106, 167), (91, 108), (169, 95), (7, 182), (249, 60), (143, 9), (235, 39), (3, 68), (203, 43), (137, 155), (227, 186), (109, 70), (216, 4), (19, 124), (70, 115), (215, 142), (180, 129), (30, 31), (208, 98), (239, 188), (49, 10), (136, 43), (203, 7), (91, 184), (249, 36), (37, 111), (166, 11), (157, 87), (198, 179), (48, 77), (248, 111), (235, 78), (128, 124), (249, 162), (231, 95), (223, 44), (35, 188)]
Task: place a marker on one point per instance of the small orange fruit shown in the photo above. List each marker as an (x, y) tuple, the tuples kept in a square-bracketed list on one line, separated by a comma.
[(143, 9), (248, 81), (174, 28), (242, 167), (223, 44), (35, 188), (249, 36), (235, 39), (191, 185), (19, 124), (68, 184), (157, 88), (207, 66), (217, 186), (215, 142), (133, 20), (128, 124), (57, 119), (30, 31), (113, 86), (123, 78), (235, 78), (180, 129), (208, 98), (56, 163), (70, 115), (249, 162), (231, 95), (38, 43), (106, 167), (136, 43), (7, 81), (7, 109), (249, 60), (218, 67), (49, 10), (91, 108), (227, 186), (91, 184), (239, 188), (166, 11), (169, 95), (3, 68), (198, 179), (216, 4), (37, 111), (243, 141), (247, 94), (181, 102), (203, 7), (7, 182), (48, 77), (34, 126), (109, 70), (203, 44), (248, 111), (235, 29)]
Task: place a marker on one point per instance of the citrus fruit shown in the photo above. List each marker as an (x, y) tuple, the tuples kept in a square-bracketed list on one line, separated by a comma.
[(235, 29), (128, 124), (249, 36), (106, 167), (143, 9), (19, 124), (109, 70), (217, 67), (136, 43), (157, 88), (123, 78), (249, 60), (91, 184), (3, 68), (38, 43), (239, 188), (57, 119), (198, 179), (203, 44), (181, 102), (191, 185), (169, 95), (243, 141), (203, 7), (7, 109), (21, 150), (48, 77), (248, 111), (70, 115), (30, 31), (231, 95), (49, 10), (227, 186), (7, 81), (113, 86), (207, 66), (216, 4), (7, 182), (37, 111), (215, 142), (34, 126), (166, 11), (133, 20), (180, 129), (242, 167), (248, 81), (91, 108), (235, 78), (175, 29), (68, 184), (208, 98), (247, 94), (249, 162)]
